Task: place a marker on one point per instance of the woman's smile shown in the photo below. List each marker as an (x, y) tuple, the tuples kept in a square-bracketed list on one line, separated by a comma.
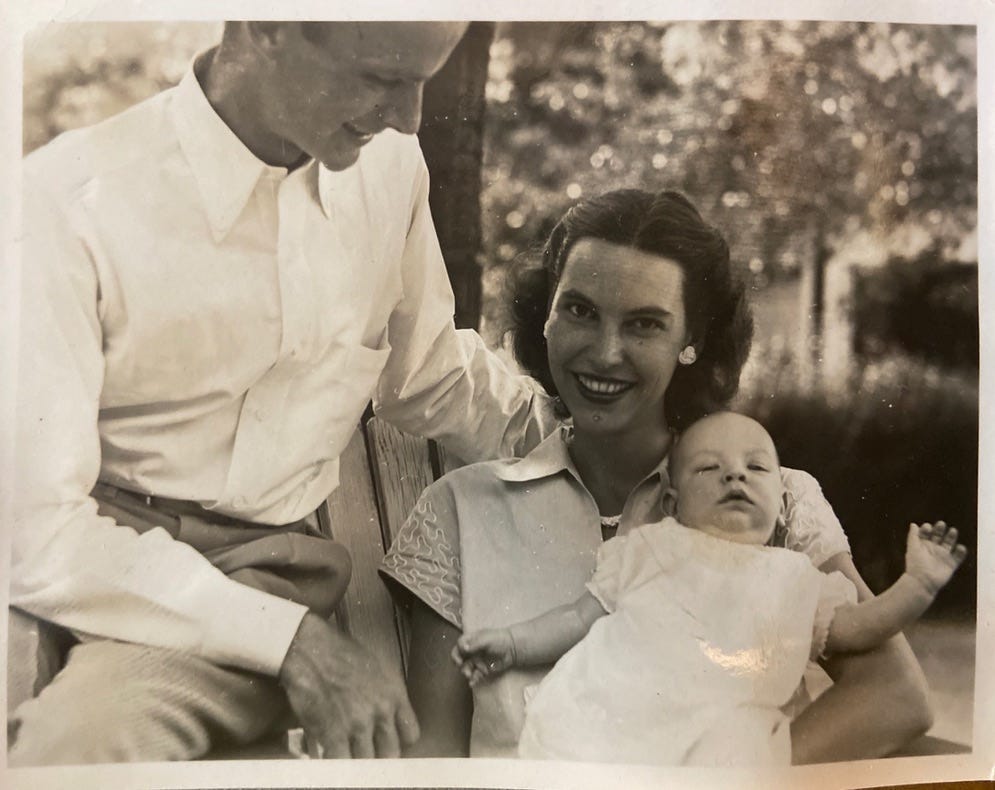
[(600, 388)]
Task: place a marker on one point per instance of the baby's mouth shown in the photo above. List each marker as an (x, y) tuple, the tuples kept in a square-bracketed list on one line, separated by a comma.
[(736, 496), (600, 387)]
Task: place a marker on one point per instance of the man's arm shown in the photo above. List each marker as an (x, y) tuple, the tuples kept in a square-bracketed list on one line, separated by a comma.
[(541, 640), (68, 564), (86, 573), (877, 704), (445, 383), (932, 556)]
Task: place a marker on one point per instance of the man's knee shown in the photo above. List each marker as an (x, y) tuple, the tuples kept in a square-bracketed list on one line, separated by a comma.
[(127, 703)]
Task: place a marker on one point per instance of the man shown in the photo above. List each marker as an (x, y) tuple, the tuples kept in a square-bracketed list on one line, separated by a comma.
[(215, 284)]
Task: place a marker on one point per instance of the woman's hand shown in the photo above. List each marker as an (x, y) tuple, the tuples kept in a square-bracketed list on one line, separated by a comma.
[(483, 654), (933, 554)]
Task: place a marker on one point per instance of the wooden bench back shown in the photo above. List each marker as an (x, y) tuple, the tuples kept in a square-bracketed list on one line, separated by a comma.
[(381, 475)]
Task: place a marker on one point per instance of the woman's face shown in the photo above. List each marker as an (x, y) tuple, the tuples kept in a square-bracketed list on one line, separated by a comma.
[(614, 331)]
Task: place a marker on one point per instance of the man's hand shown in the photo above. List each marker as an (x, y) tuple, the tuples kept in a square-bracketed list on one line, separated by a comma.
[(346, 703), (933, 554), (482, 654)]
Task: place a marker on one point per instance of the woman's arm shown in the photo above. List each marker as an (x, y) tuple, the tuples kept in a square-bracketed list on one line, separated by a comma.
[(439, 694), (878, 701)]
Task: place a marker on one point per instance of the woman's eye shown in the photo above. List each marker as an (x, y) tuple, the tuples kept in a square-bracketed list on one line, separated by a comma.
[(648, 325)]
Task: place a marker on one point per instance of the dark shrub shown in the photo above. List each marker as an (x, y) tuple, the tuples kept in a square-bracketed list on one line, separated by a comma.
[(897, 443), (925, 307)]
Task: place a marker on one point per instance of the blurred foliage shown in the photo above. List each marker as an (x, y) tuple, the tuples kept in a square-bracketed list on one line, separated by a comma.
[(783, 133), (925, 307), (79, 73), (896, 443)]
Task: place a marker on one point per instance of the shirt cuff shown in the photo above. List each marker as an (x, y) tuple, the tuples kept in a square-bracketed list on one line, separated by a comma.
[(251, 629)]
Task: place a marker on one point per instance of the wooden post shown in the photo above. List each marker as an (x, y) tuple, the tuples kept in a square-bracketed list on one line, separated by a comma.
[(452, 137)]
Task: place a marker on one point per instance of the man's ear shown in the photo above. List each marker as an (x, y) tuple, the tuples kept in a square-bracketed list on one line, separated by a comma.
[(669, 502), (266, 36)]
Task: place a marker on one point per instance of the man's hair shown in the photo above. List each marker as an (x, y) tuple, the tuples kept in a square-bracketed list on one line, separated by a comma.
[(667, 225)]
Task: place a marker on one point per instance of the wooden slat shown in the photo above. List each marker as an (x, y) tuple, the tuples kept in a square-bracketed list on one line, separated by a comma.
[(446, 461), (352, 517), (402, 468)]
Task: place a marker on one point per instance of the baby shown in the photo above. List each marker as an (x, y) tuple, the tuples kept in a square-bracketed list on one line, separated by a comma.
[(693, 632)]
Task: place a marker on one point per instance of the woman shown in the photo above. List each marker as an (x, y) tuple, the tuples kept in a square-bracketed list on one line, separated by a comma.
[(636, 322)]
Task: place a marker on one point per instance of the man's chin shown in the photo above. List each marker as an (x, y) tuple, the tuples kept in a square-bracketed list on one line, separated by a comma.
[(342, 158)]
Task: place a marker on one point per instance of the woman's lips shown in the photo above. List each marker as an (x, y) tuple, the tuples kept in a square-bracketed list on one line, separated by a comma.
[(600, 387)]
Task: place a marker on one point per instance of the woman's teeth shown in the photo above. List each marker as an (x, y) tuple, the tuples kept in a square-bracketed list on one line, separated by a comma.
[(601, 386)]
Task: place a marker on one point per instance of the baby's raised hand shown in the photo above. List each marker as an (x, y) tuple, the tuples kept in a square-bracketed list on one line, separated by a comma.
[(932, 554), (482, 654)]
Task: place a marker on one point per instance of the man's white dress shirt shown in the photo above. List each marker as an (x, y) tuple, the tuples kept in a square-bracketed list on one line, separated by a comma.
[(199, 325)]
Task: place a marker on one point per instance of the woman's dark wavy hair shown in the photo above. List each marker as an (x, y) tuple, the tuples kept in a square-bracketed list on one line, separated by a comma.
[(664, 224)]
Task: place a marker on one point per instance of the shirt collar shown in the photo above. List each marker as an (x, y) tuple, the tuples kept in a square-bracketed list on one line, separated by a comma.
[(225, 170), (552, 456)]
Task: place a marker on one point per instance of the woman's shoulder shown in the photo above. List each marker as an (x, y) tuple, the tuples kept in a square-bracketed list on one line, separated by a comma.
[(812, 526)]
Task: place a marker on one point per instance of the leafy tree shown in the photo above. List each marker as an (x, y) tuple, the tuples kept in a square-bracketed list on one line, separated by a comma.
[(789, 135)]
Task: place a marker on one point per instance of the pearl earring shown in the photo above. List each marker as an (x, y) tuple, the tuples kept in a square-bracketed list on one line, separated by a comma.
[(687, 356)]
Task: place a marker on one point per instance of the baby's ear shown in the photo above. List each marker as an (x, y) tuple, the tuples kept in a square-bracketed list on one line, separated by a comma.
[(669, 502)]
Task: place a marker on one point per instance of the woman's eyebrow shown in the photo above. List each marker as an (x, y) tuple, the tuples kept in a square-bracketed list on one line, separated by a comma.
[(653, 310)]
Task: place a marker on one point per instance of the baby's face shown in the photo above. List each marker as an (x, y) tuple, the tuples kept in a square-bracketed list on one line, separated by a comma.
[(728, 479)]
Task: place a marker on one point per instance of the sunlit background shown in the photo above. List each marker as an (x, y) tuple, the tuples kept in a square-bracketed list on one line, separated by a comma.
[(840, 160)]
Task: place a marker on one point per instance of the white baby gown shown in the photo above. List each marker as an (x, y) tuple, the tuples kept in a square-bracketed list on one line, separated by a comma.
[(703, 644)]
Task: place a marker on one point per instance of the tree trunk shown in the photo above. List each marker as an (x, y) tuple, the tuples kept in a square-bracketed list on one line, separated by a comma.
[(452, 136)]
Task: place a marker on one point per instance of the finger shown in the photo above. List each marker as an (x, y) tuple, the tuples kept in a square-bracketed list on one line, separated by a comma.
[(332, 748), (324, 742), (456, 655), (385, 739), (959, 553), (361, 743), (939, 530), (950, 538), (925, 531), (406, 722)]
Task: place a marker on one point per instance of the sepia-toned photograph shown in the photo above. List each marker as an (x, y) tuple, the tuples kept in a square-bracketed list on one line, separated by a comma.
[(587, 395)]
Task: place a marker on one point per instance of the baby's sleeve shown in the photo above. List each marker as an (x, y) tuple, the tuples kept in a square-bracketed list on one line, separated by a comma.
[(836, 591), (606, 582)]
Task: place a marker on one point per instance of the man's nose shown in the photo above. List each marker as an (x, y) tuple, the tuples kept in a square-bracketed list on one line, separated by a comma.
[(403, 108)]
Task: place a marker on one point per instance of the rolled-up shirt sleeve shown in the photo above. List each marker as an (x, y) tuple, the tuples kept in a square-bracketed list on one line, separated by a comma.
[(813, 527), (445, 383), (69, 565)]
